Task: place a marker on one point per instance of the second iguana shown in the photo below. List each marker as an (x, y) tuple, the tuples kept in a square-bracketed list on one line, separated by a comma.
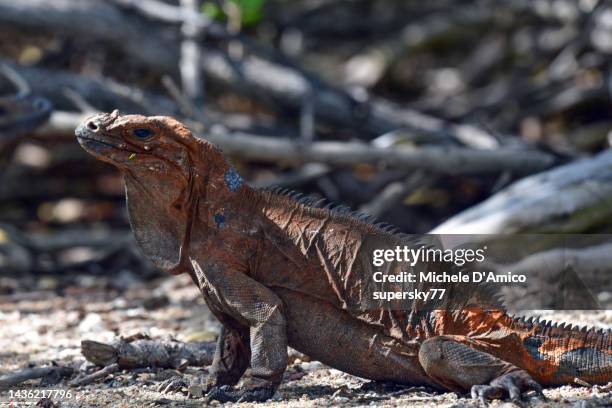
[(276, 271)]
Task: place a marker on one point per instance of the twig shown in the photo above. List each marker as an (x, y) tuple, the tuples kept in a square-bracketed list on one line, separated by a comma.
[(98, 375)]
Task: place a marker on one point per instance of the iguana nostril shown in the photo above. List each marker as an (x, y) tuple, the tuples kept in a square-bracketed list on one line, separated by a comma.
[(91, 125)]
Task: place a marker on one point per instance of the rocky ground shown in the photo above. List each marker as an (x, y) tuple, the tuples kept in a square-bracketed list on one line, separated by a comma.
[(42, 321)]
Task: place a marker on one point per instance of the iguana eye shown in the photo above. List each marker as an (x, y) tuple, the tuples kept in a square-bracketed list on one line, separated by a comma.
[(142, 133)]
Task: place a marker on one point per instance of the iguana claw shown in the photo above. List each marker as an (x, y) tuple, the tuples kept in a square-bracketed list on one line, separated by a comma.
[(512, 384), (174, 384)]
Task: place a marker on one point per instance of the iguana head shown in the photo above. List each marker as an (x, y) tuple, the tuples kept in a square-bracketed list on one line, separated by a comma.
[(137, 143), (166, 173)]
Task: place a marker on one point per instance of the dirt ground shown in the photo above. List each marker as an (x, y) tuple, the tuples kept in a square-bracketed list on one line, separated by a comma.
[(38, 326)]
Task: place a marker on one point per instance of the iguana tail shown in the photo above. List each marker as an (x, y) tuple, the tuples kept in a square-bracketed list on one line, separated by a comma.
[(557, 354), (553, 354)]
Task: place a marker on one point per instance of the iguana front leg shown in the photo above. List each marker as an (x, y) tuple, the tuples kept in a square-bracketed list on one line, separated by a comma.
[(256, 308), (260, 342), (459, 367)]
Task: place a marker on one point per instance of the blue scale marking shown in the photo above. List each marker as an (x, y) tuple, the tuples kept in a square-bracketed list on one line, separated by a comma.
[(533, 344), (233, 179), (219, 220)]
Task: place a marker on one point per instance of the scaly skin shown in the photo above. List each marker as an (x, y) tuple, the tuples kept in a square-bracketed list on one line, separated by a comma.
[(277, 272)]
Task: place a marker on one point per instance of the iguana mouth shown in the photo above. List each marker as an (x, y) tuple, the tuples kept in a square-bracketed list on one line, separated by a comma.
[(91, 139), (83, 140)]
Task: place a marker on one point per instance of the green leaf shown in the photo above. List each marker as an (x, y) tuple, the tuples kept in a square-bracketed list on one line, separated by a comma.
[(252, 11)]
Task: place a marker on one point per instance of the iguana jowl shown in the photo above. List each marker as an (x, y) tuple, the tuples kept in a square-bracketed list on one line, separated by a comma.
[(277, 272)]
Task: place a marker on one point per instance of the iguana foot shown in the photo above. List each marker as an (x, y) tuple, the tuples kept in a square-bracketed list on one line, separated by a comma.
[(173, 384), (458, 367), (513, 384), (194, 389), (246, 394)]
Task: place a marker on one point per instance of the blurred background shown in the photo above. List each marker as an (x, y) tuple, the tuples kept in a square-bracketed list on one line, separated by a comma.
[(448, 116)]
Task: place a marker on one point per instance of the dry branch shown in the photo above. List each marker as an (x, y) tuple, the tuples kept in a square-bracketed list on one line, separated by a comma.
[(148, 353), (446, 160), (576, 197), (98, 375), (9, 380)]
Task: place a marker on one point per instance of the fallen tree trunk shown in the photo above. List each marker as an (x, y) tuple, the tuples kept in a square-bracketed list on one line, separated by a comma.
[(445, 160), (573, 198)]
